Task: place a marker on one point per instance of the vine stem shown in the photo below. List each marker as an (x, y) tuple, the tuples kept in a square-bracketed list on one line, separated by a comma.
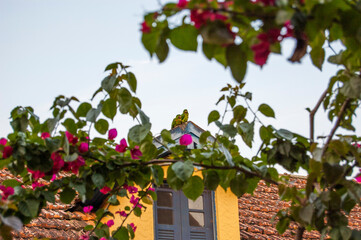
[(337, 124), (96, 225), (313, 112)]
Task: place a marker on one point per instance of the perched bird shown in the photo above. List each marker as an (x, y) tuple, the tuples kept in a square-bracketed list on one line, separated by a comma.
[(185, 116), (177, 121)]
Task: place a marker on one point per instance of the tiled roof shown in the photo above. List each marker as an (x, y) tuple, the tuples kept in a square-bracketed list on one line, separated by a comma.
[(54, 222), (256, 212)]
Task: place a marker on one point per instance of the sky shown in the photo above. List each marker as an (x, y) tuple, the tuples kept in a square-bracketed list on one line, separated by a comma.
[(54, 47)]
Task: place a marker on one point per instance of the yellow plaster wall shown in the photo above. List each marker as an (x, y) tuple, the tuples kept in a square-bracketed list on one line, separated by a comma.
[(227, 220), (227, 215)]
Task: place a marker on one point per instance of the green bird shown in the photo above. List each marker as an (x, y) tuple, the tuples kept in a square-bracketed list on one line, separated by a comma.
[(177, 121), (185, 116)]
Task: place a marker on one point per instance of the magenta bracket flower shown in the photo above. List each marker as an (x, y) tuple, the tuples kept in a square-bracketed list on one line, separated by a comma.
[(185, 140)]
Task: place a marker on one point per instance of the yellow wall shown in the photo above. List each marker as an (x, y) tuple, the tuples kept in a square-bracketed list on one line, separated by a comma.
[(227, 220)]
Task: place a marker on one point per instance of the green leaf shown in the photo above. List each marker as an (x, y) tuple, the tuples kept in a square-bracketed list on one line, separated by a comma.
[(228, 129), (122, 234), (283, 16), (109, 108), (204, 137), (237, 61), (98, 180), (264, 134), (335, 59), (112, 66), (162, 50), (213, 116), (130, 230), (71, 158), (158, 174), (29, 208), (318, 57), (13, 222), (150, 41), (132, 81), (247, 132), (83, 109), (239, 185), (184, 37), (67, 195), (266, 110), (352, 88), (52, 144), (70, 125), (11, 183), (125, 100), (139, 132), (167, 136), (108, 83), (143, 118), (183, 170), (239, 113), (283, 133), (49, 196), (193, 188), (306, 213), (92, 115), (102, 126), (88, 227), (282, 225), (228, 155), (211, 179)]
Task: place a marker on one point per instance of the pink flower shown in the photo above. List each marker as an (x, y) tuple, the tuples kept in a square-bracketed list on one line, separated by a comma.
[(110, 223), (200, 17), (7, 152), (71, 138), (36, 185), (131, 189), (84, 237), (84, 147), (135, 153), (3, 141), (112, 133), (122, 213), (182, 3), (262, 49), (266, 2), (358, 179), (105, 190), (151, 189), (45, 135), (122, 146), (145, 28), (6, 192), (58, 162), (36, 174), (133, 200), (133, 227), (103, 238), (88, 209), (53, 178), (185, 140), (75, 165)]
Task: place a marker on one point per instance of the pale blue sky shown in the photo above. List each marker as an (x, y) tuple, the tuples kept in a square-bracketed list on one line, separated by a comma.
[(52, 47)]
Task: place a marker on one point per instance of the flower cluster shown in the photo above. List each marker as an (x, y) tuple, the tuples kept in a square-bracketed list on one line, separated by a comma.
[(135, 153), (262, 50), (6, 192), (200, 17), (8, 150)]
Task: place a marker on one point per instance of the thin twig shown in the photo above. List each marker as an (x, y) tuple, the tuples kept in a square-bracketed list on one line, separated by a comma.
[(337, 124), (103, 215), (313, 112)]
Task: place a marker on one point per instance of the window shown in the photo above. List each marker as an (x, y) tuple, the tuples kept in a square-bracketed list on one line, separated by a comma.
[(178, 218)]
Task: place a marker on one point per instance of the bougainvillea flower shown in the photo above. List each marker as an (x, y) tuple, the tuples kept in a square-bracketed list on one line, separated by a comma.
[(88, 209), (182, 3), (200, 17), (151, 189), (103, 238), (112, 133), (36, 185), (133, 200), (261, 52), (83, 147), (84, 237), (36, 174), (133, 227), (266, 2), (58, 162), (122, 146), (71, 138), (358, 179), (145, 28), (105, 190), (110, 223), (135, 153), (45, 135), (131, 189), (7, 152), (121, 213), (3, 141), (6, 192), (53, 178), (185, 140)]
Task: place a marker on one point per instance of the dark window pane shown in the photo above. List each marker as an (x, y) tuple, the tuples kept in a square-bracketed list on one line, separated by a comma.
[(165, 216), (165, 199), (197, 204), (196, 219)]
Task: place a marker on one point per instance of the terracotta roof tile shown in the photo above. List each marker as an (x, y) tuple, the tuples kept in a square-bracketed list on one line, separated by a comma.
[(257, 210)]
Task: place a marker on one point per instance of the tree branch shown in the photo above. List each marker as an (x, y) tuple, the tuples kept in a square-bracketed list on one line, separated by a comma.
[(313, 112), (337, 124)]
